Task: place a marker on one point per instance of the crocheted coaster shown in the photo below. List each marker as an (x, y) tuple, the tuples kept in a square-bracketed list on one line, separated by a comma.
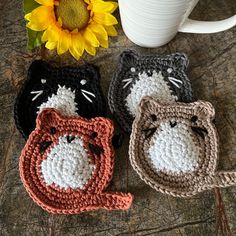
[(68, 162), (174, 148), (71, 90), (162, 77)]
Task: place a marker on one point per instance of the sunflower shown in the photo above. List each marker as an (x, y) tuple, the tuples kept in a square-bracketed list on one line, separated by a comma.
[(73, 25)]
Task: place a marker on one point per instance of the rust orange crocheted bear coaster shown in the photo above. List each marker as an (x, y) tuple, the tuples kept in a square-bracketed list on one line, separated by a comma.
[(174, 148), (68, 162)]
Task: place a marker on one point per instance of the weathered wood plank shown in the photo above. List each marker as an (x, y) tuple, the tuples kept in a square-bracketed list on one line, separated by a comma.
[(213, 74)]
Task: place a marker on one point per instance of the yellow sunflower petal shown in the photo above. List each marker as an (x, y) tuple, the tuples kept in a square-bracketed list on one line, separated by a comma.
[(51, 34), (101, 6), (40, 18), (111, 31), (45, 36), (104, 18), (74, 53), (90, 49), (103, 42), (28, 16), (64, 42), (45, 2), (100, 34), (98, 30), (90, 37), (77, 45), (51, 45)]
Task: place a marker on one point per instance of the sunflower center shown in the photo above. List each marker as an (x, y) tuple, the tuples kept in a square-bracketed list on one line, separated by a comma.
[(73, 14)]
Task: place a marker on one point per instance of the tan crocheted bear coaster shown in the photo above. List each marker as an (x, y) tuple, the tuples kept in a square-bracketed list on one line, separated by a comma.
[(174, 148), (68, 162)]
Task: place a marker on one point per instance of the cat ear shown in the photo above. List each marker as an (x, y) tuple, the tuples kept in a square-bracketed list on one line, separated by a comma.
[(48, 117), (38, 70), (93, 71), (179, 61), (129, 58), (204, 109)]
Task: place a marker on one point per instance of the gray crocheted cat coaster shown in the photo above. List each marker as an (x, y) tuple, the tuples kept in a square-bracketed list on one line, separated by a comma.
[(162, 77), (174, 148)]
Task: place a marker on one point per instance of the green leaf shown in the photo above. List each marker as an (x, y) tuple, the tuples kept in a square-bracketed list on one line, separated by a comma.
[(30, 5), (34, 37)]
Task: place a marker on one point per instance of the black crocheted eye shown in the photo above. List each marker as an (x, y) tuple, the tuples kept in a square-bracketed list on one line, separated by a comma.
[(94, 135), (153, 117), (194, 118), (53, 130)]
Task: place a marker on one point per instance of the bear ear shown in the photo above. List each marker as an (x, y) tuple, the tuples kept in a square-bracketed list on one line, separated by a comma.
[(179, 61), (204, 110), (103, 125), (148, 105), (48, 117), (129, 58)]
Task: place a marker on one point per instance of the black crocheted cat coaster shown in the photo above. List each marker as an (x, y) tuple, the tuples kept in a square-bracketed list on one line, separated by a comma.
[(70, 90), (161, 77)]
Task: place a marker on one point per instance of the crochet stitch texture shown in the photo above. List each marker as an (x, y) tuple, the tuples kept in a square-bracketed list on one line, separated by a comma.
[(71, 90), (174, 148), (67, 163), (162, 77)]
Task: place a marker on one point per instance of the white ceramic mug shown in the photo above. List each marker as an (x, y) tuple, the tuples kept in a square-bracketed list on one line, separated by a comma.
[(153, 23)]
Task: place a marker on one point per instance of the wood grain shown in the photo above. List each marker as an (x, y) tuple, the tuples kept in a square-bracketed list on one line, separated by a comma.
[(213, 74)]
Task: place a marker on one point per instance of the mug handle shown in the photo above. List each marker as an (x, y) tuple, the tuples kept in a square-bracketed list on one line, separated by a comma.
[(204, 27)]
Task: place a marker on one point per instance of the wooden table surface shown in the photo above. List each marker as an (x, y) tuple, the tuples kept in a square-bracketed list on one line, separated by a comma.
[(213, 74)]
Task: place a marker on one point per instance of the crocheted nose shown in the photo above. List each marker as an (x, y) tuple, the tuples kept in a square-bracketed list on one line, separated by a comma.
[(70, 138), (173, 124)]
